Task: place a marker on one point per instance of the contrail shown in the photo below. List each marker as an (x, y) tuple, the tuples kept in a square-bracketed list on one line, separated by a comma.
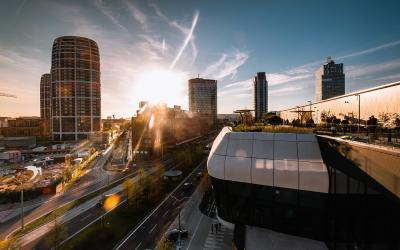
[(187, 40), (7, 95)]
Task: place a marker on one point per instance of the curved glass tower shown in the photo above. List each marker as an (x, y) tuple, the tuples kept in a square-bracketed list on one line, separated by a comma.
[(75, 85)]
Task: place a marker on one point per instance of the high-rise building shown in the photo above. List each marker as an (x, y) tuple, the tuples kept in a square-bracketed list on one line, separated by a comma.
[(203, 99), (75, 86), (45, 101), (330, 80), (260, 95)]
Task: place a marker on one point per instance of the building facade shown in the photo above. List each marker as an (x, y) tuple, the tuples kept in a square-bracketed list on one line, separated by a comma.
[(45, 101), (260, 95), (75, 86), (298, 184), (24, 126), (330, 80), (364, 103), (203, 99)]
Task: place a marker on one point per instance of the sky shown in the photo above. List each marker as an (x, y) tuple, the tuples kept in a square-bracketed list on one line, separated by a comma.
[(145, 45)]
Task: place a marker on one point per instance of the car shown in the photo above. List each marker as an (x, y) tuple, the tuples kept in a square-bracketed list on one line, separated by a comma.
[(173, 234), (187, 186), (199, 175)]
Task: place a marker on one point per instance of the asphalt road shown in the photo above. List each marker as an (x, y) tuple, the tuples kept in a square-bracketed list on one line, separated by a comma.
[(88, 183), (150, 231), (81, 220)]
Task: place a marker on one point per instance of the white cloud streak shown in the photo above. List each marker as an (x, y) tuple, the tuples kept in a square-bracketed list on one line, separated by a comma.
[(138, 15), (185, 43), (181, 28), (363, 70), (370, 50), (227, 65), (108, 13)]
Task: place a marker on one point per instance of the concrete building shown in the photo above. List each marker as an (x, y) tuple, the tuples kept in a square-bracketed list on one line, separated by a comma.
[(364, 103), (203, 99), (260, 95), (45, 101), (24, 126), (75, 85), (330, 80)]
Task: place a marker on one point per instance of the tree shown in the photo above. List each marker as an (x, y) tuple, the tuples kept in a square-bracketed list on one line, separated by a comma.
[(57, 234), (165, 244), (273, 119), (389, 121), (127, 185), (327, 116)]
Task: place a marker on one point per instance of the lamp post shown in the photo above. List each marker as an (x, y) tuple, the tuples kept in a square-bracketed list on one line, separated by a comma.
[(22, 207), (359, 111), (178, 245)]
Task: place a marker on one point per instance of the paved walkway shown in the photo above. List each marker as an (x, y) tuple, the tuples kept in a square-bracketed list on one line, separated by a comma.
[(199, 227)]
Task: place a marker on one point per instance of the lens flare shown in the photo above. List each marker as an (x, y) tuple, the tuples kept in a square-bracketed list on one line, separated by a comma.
[(111, 202)]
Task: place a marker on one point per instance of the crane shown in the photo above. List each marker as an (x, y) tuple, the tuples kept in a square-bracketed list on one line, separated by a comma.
[(7, 95)]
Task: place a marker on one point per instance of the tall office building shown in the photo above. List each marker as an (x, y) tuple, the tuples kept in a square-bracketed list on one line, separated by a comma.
[(75, 85), (203, 99), (45, 102), (260, 95), (330, 80)]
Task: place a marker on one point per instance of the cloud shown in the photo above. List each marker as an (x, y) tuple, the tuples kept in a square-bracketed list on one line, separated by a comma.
[(355, 71), (227, 65), (370, 50), (276, 78), (108, 13), (285, 90), (185, 30), (389, 77), (185, 43), (137, 15)]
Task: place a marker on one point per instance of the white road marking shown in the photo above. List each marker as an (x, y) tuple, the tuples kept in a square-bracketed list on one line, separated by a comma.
[(151, 230), (138, 246), (84, 218), (165, 213)]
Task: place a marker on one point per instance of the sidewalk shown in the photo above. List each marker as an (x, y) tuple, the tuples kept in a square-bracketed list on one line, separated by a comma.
[(199, 227)]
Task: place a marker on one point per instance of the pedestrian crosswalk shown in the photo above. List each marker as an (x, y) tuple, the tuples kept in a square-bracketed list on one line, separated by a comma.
[(218, 240)]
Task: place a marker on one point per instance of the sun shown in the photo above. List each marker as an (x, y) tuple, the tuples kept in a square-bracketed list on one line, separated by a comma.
[(157, 85)]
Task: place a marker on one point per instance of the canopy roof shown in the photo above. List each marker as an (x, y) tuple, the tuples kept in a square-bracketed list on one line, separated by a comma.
[(287, 160)]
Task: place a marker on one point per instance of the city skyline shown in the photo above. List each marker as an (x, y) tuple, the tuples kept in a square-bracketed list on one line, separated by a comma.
[(137, 39)]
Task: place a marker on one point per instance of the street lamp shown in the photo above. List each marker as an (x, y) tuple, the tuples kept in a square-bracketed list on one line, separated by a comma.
[(359, 111), (178, 246)]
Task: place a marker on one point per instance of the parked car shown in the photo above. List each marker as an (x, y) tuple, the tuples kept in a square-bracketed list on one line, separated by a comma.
[(173, 234), (187, 186)]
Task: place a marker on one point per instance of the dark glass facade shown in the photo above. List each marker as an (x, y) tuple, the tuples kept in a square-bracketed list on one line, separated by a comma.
[(76, 89), (203, 99), (330, 80), (260, 95), (356, 213), (45, 101)]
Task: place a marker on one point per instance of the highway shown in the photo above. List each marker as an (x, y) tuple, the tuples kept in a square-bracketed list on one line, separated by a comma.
[(94, 179), (147, 234)]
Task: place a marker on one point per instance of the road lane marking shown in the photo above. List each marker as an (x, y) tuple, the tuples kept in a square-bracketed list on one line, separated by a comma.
[(195, 230), (138, 246), (84, 218), (165, 213), (151, 230), (159, 205)]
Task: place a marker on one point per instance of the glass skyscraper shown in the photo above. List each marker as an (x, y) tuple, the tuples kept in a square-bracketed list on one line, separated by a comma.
[(260, 95), (75, 85), (45, 101), (203, 99), (330, 80)]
